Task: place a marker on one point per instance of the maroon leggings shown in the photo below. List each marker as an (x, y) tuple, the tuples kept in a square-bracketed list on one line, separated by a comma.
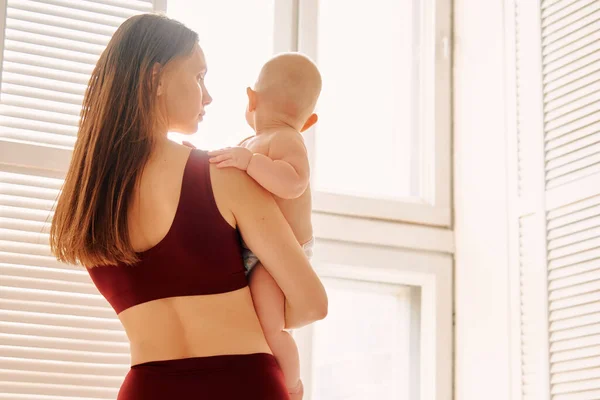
[(228, 377)]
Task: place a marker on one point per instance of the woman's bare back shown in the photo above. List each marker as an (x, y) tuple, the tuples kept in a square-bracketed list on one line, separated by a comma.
[(190, 326)]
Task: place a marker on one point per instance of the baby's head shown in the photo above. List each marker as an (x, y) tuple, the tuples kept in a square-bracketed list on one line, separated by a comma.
[(287, 91)]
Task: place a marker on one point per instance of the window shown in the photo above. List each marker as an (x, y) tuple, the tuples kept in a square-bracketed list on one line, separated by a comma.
[(365, 340), (381, 147), (237, 38)]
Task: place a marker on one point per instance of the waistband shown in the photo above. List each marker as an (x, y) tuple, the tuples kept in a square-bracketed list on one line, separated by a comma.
[(194, 364)]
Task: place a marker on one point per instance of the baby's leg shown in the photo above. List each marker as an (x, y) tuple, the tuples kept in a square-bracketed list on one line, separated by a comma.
[(269, 303)]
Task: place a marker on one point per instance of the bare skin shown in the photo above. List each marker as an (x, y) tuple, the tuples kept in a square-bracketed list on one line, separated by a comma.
[(280, 107)]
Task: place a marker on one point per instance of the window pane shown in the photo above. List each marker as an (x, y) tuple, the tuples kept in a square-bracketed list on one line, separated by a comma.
[(367, 53), (237, 39), (362, 350)]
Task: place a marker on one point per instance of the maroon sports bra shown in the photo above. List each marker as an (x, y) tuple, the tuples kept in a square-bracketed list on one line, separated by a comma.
[(201, 253)]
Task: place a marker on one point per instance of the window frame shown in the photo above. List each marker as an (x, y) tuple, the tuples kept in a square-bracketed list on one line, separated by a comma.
[(433, 207)]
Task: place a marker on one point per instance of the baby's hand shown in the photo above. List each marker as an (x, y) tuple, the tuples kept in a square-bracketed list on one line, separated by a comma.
[(237, 157)]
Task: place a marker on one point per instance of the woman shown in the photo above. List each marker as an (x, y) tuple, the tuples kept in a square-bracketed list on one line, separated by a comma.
[(157, 227)]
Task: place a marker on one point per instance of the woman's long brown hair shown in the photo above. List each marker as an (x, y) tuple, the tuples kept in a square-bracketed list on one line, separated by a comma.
[(114, 142)]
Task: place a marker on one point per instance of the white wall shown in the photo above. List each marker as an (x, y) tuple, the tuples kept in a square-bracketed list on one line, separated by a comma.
[(482, 365)]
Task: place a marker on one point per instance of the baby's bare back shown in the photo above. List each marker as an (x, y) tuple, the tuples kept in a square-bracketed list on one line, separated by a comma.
[(296, 211)]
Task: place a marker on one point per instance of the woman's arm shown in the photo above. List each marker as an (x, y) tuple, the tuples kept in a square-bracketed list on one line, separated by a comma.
[(268, 235)]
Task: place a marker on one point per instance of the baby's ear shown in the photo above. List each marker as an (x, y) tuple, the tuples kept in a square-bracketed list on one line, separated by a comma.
[(251, 99), (310, 122)]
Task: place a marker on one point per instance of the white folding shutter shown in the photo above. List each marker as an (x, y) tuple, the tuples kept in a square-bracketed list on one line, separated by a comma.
[(571, 87), (558, 79), (59, 339)]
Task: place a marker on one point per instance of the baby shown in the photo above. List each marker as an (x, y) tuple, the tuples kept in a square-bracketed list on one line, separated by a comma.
[(279, 108)]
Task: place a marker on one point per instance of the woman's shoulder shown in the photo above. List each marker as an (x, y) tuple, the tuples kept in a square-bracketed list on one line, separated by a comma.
[(232, 187), (237, 191), (233, 180)]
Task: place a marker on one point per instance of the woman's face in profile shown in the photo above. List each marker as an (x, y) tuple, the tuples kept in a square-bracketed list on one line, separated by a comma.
[(183, 92)]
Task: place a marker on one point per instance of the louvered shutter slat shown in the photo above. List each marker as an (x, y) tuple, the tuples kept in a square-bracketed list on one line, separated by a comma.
[(132, 6), (562, 9), (52, 43), (565, 23), (69, 10), (22, 15), (45, 83), (19, 23), (569, 98), (549, 7), (56, 69), (58, 111), (21, 45), (15, 117), (568, 355), (53, 378), (61, 343), (581, 344), (571, 43), (51, 97)]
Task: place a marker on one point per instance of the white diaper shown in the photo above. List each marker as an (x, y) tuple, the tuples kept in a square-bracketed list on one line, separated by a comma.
[(250, 260)]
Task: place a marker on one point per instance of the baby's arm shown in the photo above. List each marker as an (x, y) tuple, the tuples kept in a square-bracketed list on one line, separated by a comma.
[(284, 172)]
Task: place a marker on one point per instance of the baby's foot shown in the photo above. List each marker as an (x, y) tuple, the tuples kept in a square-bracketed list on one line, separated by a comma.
[(298, 392)]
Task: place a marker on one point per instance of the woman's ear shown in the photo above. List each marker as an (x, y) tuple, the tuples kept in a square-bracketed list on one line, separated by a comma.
[(310, 122)]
